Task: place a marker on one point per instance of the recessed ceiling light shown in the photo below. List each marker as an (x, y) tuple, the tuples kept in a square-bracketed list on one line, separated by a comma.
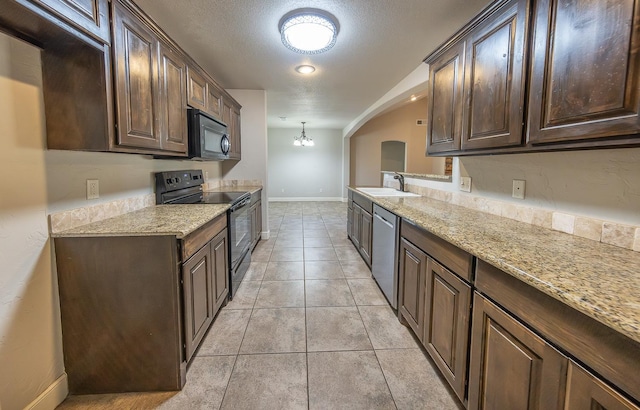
[(305, 69), (308, 31), (413, 98)]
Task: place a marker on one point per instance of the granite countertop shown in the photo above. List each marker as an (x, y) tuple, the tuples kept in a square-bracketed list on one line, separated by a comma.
[(599, 280), (178, 220)]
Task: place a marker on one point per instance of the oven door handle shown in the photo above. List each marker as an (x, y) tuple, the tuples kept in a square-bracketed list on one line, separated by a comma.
[(240, 204)]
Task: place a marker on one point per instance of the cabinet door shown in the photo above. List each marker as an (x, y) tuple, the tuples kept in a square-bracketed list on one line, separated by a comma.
[(494, 80), (220, 263), (511, 367), (444, 124), (586, 392), (585, 70), (350, 220), (357, 220), (135, 49), (235, 151), (91, 16), (197, 276), (253, 214), (196, 89), (257, 222), (214, 100), (446, 324), (411, 286), (173, 100), (366, 228)]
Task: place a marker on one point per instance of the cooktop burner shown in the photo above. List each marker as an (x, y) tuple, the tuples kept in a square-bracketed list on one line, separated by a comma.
[(221, 197)]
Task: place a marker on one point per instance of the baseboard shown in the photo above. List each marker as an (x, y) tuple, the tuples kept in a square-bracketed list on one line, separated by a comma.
[(308, 199), (52, 396)]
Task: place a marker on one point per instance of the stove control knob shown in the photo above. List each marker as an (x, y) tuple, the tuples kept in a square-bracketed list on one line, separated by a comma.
[(169, 181)]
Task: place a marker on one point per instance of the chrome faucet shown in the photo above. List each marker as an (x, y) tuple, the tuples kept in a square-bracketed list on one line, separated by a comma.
[(400, 179)]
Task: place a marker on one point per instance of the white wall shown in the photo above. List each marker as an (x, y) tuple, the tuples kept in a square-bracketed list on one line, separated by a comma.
[(305, 172), (253, 117), (37, 182)]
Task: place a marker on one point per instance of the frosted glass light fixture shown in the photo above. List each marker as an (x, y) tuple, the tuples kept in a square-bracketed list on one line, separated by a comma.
[(303, 140), (308, 31)]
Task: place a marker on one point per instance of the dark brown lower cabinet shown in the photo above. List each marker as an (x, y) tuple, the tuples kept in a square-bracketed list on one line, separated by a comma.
[(205, 284), (585, 391), (366, 230), (360, 225), (255, 214), (135, 308), (511, 367), (357, 220), (411, 286), (446, 324)]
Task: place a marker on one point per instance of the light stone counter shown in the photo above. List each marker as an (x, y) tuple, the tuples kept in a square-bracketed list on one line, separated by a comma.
[(599, 280), (178, 220)]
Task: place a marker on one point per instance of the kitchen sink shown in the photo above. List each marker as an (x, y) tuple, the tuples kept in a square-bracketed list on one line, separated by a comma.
[(377, 192)]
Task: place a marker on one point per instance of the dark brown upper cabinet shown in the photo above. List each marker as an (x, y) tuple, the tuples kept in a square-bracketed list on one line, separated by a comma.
[(135, 51), (91, 16), (494, 79), (231, 117), (173, 100), (585, 71), (446, 80), (203, 93), (563, 73), (150, 81)]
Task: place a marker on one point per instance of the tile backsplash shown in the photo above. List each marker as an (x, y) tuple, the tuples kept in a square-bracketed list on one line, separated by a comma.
[(72, 218), (624, 236)]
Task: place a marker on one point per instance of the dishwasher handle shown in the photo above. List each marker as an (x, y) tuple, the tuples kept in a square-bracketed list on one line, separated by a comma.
[(389, 224)]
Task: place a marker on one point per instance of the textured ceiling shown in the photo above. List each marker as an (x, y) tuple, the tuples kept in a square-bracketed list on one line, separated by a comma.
[(379, 43)]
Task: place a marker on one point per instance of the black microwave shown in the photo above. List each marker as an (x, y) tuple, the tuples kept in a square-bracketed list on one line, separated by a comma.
[(208, 139)]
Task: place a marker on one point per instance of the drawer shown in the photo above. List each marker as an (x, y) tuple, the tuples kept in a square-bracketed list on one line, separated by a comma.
[(364, 202), (454, 258), (197, 239)]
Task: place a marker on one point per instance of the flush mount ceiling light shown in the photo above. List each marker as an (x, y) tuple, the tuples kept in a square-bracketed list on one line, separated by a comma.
[(305, 69), (302, 140), (308, 31)]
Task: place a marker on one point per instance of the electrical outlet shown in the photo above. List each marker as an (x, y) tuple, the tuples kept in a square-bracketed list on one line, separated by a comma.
[(93, 189), (282, 189), (206, 175), (518, 189), (320, 190), (465, 184)]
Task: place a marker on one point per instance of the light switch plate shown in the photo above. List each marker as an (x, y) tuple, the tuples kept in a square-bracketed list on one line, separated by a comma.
[(518, 189), (465, 184)]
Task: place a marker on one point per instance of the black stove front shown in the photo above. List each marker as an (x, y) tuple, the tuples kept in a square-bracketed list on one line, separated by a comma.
[(185, 187)]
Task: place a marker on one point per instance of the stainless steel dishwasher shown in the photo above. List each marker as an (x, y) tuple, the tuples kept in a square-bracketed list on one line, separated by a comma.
[(384, 263)]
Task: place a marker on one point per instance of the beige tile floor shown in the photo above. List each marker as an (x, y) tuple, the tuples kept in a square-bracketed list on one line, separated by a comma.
[(308, 329)]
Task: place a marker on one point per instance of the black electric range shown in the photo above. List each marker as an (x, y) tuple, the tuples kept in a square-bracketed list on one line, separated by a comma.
[(185, 187)]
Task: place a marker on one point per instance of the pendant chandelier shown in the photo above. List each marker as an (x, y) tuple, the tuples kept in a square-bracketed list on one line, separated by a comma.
[(302, 140)]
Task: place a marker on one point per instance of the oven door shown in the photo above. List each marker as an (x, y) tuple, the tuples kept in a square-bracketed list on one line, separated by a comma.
[(240, 230)]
